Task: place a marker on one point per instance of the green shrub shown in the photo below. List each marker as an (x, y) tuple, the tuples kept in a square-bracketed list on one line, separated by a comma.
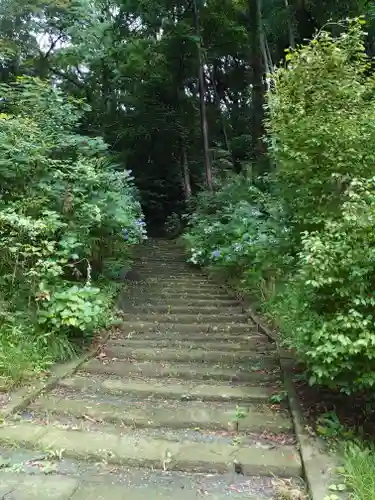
[(308, 245), (321, 120), (239, 231), (77, 308), (334, 297), (64, 210)]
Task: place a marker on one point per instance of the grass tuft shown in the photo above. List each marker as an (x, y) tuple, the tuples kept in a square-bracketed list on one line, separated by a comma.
[(360, 471)]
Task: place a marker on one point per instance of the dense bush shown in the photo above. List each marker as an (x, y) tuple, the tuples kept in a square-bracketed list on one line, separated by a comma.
[(308, 245), (239, 230), (321, 120), (64, 210), (334, 299)]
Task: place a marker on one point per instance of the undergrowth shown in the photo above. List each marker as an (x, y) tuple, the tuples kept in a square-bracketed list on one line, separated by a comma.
[(359, 471)]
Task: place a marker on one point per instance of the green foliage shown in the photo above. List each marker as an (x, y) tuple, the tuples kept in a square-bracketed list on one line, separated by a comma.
[(307, 247), (238, 230), (77, 308), (326, 308), (64, 209), (67, 212), (136, 64), (334, 288), (359, 470), (319, 143)]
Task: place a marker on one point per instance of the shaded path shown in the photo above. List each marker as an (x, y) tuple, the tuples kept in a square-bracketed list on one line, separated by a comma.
[(176, 406)]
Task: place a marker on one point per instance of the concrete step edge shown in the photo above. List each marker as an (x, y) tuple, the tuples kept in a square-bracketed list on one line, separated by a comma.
[(184, 355), (169, 391), (184, 371), (151, 326), (183, 308), (134, 451), (167, 416), (190, 319), (223, 345)]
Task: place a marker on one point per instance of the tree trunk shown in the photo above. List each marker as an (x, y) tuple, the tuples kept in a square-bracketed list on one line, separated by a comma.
[(204, 124), (217, 104), (258, 88), (263, 40), (292, 41), (186, 173)]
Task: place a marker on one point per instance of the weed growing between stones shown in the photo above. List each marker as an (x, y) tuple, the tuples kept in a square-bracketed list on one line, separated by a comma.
[(239, 415)]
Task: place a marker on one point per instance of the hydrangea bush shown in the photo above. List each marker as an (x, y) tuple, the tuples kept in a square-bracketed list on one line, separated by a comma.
[(239, 231)]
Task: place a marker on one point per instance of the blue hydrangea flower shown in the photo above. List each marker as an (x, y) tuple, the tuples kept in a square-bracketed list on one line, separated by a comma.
[(125, 234), (215, 254)]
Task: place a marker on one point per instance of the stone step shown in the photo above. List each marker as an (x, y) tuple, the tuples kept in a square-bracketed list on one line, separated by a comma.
[(193, 278), (130, 485), (190, 319), (199, 282), (140, 451), (172, 293), (167, 270), (185, 371), (156, 258), (139, 326), (168, 389), (258, 346), (181, 287), (180, 290), (163, 248), (186, 309), (164, 245), (166, 265), (159, 266), (203, 337), (171, 276), (180, 416), (193, 301), (149, 255), (185, 355), (162, 253)]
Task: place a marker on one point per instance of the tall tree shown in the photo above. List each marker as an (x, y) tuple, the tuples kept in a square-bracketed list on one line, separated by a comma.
[(257, 63), (204, 123)]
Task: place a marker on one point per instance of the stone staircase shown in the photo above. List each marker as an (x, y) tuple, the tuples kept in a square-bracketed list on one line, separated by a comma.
[(180, 404)]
